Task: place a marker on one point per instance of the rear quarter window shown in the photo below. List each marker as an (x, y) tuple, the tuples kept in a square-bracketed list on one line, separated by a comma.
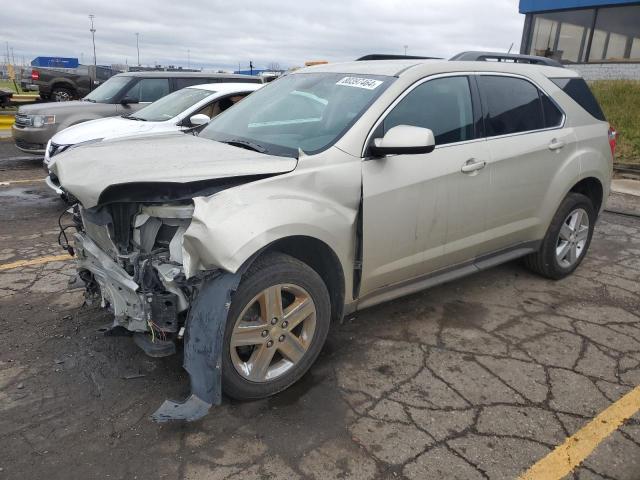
[(579, 91)]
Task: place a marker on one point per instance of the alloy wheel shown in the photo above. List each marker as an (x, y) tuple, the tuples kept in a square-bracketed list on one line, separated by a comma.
[(572, 238), (273, 332)]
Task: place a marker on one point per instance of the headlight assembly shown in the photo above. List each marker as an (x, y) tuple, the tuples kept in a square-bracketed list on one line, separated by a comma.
[(39, 121)]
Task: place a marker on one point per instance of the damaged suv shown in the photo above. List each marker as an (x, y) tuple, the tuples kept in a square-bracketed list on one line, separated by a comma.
[(332, 189)]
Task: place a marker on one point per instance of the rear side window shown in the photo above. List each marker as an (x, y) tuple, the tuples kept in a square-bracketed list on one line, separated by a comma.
[(579, 91), (442, 105), (510, 105)]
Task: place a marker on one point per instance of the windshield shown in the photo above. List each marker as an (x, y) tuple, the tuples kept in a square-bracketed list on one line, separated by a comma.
[(108, 90), (172, 105), (308, 111)]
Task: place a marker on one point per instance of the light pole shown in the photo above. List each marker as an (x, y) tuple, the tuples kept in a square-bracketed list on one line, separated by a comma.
[(188, 59), (138, 46), (405, 50), (93, 38)]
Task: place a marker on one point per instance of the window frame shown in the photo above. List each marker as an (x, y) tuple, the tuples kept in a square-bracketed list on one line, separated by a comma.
[(540, 90), (475, 105)]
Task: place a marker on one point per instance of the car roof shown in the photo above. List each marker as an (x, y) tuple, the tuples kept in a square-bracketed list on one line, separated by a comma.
[(228, 87), (398, 68), (182, 75)]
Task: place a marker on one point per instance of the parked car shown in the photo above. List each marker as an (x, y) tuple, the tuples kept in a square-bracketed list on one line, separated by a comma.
[(65, 84), (330, 190), (182, 110), (120, 95)]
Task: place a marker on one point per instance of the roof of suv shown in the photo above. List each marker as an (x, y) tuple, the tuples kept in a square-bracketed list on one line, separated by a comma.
[(398, 68)]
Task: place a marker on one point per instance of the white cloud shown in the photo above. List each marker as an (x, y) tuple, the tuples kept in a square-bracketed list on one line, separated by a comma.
[(222, 33)]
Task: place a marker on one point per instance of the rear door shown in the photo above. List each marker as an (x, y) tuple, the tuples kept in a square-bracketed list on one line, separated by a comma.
[(528, 146), (422, 212)]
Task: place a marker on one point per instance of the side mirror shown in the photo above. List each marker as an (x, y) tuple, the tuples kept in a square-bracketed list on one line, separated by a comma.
[(199, 119), (129, 100), (404, 139)]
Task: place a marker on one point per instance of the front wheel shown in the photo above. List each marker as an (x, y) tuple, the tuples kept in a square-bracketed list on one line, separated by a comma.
[(62, 94), (277, 324), (567, 240)]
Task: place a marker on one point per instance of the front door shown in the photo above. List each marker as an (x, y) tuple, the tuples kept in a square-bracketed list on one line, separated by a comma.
[(424, 212)]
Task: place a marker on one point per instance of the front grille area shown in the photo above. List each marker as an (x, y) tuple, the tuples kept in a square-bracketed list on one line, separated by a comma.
[(29, 146), (23, 120)]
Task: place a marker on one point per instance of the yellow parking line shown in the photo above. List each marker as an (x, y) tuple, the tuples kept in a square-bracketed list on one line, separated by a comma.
[(29, 180), (35, 261), (575, 449)]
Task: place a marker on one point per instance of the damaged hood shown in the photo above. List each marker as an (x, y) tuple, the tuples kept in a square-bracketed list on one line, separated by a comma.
[(170, 161)]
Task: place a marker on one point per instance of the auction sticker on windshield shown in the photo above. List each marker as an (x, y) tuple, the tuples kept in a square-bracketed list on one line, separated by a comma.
[(359, 82)]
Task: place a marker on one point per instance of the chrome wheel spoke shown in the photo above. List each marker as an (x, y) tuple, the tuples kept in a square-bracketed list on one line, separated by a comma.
[(582, 234), (248, 335), (563, 251), (292, 348), (271, 303), (298, 311), (573, 254), (565, 232), (259, 363)]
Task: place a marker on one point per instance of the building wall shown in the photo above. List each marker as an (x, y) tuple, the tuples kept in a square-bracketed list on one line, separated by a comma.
[(607, 71)]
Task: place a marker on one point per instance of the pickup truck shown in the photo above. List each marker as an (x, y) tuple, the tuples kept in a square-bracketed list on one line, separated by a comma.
[(64, 84)]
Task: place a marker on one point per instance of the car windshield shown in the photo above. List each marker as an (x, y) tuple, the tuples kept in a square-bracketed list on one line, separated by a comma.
[(171, 105), (108, 90), (307, 111)]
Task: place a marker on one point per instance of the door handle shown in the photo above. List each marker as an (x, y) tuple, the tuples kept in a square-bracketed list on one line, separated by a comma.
[(472, 165), (556, 144)]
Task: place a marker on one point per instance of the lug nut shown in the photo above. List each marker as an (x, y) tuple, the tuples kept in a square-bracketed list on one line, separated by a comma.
[(281, 338), (274, 320), (270, 344), (285, 324), (265, 333)]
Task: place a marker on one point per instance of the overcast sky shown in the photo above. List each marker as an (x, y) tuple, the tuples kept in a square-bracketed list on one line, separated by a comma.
[(219, 34)]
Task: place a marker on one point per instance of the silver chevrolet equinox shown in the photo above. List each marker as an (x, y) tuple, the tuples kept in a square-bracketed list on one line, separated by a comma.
[(330, 190)]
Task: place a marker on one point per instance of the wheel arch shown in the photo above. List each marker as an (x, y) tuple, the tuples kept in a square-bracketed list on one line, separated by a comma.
[(592, 188), (321, 258), (61, 83)]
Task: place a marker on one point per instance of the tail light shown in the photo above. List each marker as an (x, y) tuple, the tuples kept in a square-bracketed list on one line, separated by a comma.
[(35, 75), (613, 136)]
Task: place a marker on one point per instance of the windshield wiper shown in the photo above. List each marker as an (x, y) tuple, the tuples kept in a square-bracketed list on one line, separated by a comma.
[(133, 117), (88, 100), (236, 142)]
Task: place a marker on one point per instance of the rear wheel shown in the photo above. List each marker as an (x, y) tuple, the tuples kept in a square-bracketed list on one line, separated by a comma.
[(277, 324), (567, 240), (60, 94)]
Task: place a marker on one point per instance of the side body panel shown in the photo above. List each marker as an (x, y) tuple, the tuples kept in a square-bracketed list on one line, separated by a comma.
[(319, 199), (421, 213)]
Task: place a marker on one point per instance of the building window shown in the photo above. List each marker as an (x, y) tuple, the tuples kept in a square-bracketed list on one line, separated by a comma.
[(562, 35), (616, 37), (567, 35)]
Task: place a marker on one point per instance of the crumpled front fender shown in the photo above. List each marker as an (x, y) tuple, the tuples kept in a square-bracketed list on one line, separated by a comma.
[(231, 226)]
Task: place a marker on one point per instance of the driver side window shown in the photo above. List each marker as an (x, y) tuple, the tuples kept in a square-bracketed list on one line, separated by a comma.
[(149, 89), (442, 105)]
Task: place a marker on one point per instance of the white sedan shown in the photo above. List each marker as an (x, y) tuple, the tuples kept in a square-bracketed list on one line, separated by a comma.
[(181, 110)]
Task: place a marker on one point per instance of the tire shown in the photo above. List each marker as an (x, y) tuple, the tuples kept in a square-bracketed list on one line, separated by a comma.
[(546, 261), (297, 281), (60, 94)]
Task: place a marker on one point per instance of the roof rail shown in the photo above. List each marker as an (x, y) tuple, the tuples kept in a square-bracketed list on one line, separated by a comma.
[(506, 57), (384, 56)]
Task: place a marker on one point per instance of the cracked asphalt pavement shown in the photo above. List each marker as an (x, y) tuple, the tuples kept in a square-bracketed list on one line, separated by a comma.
[(475, 379)]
